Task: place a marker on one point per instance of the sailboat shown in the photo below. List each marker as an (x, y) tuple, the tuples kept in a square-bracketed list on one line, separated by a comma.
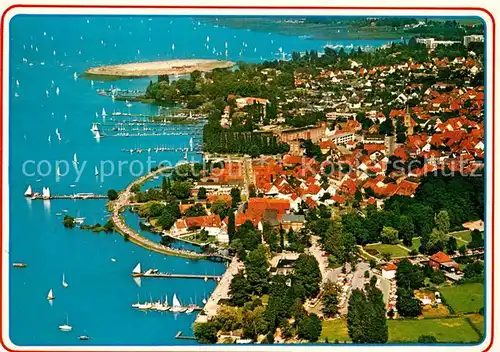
[(138, 304), (137, 270), (191, 144), (48, 138), (176, 305), (66, 327), (75, 76), (46, 193), (57, 90), (103, 113), (28, 192), (64, 283), (96, 172), (17, 82), (97, 135), (75, 159), (51, 296)]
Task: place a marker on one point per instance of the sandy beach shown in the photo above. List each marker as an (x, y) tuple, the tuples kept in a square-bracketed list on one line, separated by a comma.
[(155, 68)]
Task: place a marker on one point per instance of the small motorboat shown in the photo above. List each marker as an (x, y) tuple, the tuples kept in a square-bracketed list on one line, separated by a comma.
[(83, 337), (19, 265)]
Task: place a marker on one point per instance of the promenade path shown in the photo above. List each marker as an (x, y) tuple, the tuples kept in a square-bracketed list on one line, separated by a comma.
[(123, 201)]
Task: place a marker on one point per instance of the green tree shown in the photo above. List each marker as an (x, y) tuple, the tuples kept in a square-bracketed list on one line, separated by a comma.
[(202, 193), (330, 299), (406, 304), (443, 221), (309, 328), (228, 318), (255, 323), (366, 322), (389, 235), (406, 229), (206, 333), (409, 275), (112, 194), (451, 245), (69, 221), (307, 275), (235, 197), (240, 290), (220, 208), (437, 241), (231, 226), (476, 240), (196, 210), (181, 189), (257, 269)]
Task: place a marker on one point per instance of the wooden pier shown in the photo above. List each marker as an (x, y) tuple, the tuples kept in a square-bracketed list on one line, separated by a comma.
[(180, 336), (154, 274), (37, 196)]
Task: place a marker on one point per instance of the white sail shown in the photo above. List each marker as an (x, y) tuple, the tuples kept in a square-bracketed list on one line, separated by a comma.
[(51, 295), (17, 82), (28, 192), (191, 144), (48, 138), (46, 193), (96, 172), (64, 283), (173, 46), (175, 302), (57, 90), (103, 113), (97, 135), (75, 76), (137, 269)]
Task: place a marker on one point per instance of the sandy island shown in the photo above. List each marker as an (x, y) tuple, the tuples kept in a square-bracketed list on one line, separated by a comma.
[(156, 68)]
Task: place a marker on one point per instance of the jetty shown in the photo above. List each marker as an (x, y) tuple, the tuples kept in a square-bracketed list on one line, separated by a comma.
[(180, 336), (69, 196), (154, 273)]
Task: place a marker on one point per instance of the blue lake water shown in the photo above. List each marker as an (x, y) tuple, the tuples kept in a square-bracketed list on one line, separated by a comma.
[(45, 52)]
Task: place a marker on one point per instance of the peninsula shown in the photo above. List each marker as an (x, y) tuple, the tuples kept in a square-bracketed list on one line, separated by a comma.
[(159, 68)]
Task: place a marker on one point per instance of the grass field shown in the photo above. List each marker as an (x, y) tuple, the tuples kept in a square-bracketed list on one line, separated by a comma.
[(468, 298), (445, 330), (478, 321), (335, 330), (464, 235), (395, 250)]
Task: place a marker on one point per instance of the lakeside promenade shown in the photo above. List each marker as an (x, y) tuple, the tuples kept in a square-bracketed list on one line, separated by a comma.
[(123, 201)]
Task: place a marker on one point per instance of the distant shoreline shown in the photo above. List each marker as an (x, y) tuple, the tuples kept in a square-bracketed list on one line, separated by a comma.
[(158, 68)]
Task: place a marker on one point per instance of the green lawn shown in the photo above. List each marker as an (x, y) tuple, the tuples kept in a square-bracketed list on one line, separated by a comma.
[(468, 298), (478, 321), (335, 330), (464, 235), (445, 330), (395, 250)]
